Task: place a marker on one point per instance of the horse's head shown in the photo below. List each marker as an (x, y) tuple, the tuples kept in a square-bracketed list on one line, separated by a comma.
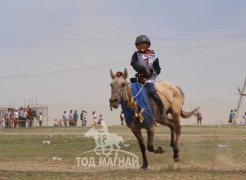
[(118, 88)]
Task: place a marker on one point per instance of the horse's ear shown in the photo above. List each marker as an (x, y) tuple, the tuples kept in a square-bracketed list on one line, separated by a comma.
[(125, 73), (112, 74)]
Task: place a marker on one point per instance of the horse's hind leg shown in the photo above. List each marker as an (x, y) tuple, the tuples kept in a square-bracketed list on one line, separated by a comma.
[(174, 135), (175, 145), (150, 134), (137, 132), (169, 123)]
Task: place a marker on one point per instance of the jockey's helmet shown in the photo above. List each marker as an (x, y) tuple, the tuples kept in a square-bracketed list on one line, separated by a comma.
[(142, 38)]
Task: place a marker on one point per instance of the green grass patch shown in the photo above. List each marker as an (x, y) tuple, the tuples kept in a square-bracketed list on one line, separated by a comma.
[(199, 146)]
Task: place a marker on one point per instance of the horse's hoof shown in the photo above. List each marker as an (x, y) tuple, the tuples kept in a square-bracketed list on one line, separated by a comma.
[(176, 159), (161, 150), (144, 167)]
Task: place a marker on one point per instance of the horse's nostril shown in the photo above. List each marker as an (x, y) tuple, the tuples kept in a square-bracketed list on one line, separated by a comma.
[(111, 100)]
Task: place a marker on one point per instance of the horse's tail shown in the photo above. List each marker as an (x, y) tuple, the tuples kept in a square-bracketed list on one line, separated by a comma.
[(183, 113), (182, 93), (189, 114)]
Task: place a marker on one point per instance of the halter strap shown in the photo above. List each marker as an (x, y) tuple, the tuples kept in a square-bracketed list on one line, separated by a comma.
[(125, 92), (122, 95)]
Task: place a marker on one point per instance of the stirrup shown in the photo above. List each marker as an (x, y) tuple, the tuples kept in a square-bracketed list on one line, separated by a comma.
[(163, 114)]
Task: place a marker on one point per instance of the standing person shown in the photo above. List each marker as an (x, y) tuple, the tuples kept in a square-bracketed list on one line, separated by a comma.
[(24, 116), (81, 118), (16, 115), (94, 116), (122, 118), (244, 118), (75, 118), (70, 118), (84, 117), (30, 115), (235, 116), (34, 117), (7, 118), (20, 117), (12, 117), (40, 119), (146, 63), (100, 120), (65, 118), (103, 133), (199, 118), (231, 116)]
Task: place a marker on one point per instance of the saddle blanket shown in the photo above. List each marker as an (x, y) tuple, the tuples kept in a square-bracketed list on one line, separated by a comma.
[(143, 102)]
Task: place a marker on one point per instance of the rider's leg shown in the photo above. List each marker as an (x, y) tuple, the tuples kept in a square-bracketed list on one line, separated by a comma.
[(153, 94)]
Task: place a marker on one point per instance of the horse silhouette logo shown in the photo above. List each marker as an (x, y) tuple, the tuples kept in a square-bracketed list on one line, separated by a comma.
[(105, 141)]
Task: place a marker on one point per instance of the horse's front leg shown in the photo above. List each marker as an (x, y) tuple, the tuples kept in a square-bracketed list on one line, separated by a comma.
[(150, 134), (137, 132)]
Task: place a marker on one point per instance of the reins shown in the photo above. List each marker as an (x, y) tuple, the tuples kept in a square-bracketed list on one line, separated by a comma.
[(139, 91), (129, 101)]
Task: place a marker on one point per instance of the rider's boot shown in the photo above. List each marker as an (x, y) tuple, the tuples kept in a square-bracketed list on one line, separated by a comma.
[(159, 103)]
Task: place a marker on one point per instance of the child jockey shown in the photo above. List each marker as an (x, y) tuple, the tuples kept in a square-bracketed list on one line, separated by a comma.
[(146, 63)]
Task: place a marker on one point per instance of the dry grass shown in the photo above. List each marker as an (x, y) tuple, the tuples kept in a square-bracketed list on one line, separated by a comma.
[(23, 156)]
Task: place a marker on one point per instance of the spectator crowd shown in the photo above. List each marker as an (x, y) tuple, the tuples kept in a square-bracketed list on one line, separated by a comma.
[(73, 118), (20, 117), (233, 117)]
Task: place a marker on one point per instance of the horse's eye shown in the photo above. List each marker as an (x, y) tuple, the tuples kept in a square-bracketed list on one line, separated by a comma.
[(123, 85), (111, 84)]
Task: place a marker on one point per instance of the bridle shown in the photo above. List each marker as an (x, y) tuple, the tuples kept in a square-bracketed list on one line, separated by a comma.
[(123, 96)]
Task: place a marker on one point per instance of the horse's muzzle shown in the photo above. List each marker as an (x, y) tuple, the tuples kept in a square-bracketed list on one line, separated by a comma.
[(114, 103)]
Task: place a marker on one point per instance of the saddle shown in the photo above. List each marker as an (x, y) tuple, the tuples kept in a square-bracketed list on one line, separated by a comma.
[(140, 77), (138, 80)]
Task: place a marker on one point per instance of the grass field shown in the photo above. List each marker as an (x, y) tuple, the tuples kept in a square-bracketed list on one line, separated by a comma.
[(24, 156)]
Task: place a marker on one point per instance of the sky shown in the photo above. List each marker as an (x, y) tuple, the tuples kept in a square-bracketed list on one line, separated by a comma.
[(61, 51)]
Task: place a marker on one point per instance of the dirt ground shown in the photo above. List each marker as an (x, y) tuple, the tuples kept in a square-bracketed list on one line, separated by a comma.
[(192, 170)]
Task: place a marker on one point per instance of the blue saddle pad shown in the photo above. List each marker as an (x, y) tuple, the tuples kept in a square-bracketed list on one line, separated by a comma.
[(143, 101)]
